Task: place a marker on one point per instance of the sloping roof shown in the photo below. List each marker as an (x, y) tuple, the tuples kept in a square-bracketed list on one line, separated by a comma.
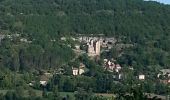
[(165, 71), (44, 78)]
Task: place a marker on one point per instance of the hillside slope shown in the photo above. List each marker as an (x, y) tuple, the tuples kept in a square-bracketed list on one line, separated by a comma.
[(110, 17), (145, 24)]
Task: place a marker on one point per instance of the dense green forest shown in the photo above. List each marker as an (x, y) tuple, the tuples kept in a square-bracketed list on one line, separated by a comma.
[(144, 24)]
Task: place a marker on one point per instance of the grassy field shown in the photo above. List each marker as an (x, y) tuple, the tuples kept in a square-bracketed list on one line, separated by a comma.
[(63, 94)]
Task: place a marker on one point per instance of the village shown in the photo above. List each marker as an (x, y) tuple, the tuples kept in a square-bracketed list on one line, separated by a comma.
[(93, 47), (96, 45)]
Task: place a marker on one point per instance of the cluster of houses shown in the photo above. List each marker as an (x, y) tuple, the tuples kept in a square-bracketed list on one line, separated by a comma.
[(94, 44), (42, 78), (78, 71), (111, 66), (13, 36), (164, 76), (45, 76), (105, 42)]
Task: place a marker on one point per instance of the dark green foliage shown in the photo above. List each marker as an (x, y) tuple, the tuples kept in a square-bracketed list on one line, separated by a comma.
[(11, 95), (132, 18), (31, 93), (135, 94), (70, 83), (81, 94), (24, 57)]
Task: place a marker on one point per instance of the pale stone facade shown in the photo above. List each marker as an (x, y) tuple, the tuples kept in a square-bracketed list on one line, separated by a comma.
[(93, 48), (78, 71), (44, 83), (97, 47), (81, 71), (141, 77), (75, 71), (111, 66)]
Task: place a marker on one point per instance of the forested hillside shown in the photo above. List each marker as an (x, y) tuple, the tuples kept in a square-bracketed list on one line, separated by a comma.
[(145, 24), (110, 17), (39, 56)]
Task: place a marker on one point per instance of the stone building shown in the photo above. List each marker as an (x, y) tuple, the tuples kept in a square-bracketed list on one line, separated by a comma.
[(141, 77), (93, 48), (75, 71), (78, 71), (97, 47)]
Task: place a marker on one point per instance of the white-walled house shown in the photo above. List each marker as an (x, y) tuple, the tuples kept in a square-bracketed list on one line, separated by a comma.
[(75, 71), (81, 71), (44, 80), (141, 77), (111, 66), (78, 71), (43, 83)]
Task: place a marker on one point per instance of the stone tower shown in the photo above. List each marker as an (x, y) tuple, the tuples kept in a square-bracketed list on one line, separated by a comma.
[(93, 48), (97, 48)]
